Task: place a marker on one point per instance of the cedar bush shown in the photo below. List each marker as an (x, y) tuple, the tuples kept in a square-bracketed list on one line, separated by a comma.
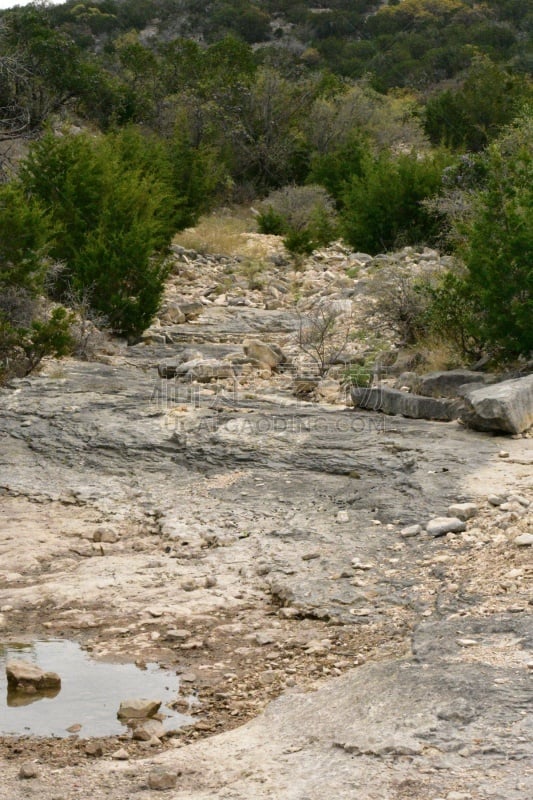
[(382, 207), (114, 217)]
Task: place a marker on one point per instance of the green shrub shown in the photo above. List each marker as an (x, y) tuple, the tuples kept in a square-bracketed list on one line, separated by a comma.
[(334, 170), (271, 222), (114, 217), (299, 242), (452, 314), (497, 243), (22, 349), (360, 375), (487, 305), (383, 206), (25, 232), (471, 116)]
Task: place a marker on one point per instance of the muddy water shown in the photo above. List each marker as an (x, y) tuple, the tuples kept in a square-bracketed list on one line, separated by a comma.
[(90, 694)]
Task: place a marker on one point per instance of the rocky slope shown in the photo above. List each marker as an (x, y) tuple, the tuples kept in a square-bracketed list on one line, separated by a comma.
[(268, 546)]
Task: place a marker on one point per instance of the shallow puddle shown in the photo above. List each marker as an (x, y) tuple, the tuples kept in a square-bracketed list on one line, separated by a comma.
[(90, 694)]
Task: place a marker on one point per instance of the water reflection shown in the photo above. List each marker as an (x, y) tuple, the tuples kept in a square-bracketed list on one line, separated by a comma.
[(90, 694), (17, 698)]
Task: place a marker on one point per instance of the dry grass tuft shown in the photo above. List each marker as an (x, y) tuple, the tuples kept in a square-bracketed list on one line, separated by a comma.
[(228, 231)]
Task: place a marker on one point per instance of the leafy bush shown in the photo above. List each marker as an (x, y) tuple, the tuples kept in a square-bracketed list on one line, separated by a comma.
[(305, 215), (383, 206), (474, 114)]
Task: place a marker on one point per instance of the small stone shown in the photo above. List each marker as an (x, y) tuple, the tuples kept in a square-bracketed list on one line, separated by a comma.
[(463, 511), (74, 728), (524, 540), (94, 749), (120, 755), (502, 454), (440, 526), (264, 637), (147, 730), (358, 564), (411, 530), (519, 498), (105, 535), (160, 780), (467, 642), (343, 517), (156, 612), (512, 508), (178, 635), (496, 499), (28, 771), (210, 582), (310, 556), (458, 796), (138, 708), (288, 613)]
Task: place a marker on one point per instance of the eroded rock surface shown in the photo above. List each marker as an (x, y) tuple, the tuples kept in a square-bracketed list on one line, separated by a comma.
[(268, 547)]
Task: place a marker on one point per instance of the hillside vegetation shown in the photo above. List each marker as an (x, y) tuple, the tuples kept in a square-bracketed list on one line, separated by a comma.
[(407, 122)]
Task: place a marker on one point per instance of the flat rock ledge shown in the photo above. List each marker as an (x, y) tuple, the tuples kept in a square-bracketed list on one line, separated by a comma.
[(414, 406), (505, 407)]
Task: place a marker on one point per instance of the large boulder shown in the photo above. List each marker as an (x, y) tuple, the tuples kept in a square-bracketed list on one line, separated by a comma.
[(505, 407), (23, 676), (269, 355), (414, 406), (448, 383)]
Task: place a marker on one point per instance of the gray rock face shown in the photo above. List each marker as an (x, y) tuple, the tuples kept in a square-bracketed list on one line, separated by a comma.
[(505, 407), (414, 406), (24, 676)]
